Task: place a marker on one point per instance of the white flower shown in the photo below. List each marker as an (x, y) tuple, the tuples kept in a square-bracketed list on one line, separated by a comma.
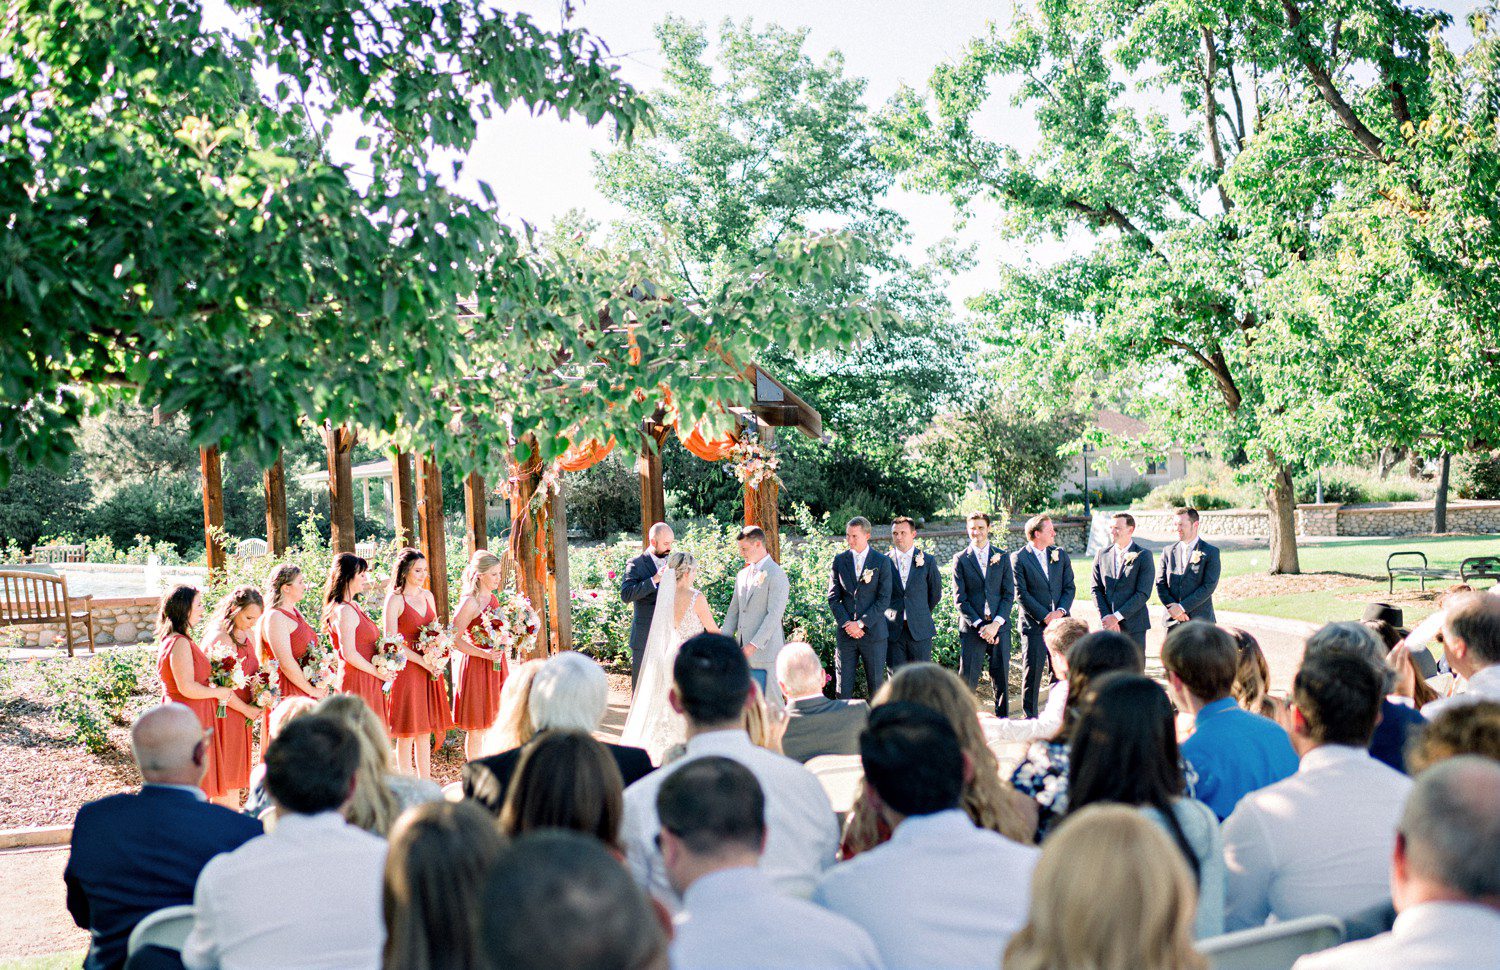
[(1130, 558), (919, 562), (867, 576), (1054, 555), (1197, 557), (994, 558), (890, 615), (758, 579)]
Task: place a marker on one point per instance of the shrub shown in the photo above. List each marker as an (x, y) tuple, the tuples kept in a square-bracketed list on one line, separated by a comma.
[(1477, 475), (1354, 485), (603, 499), (95, 695)]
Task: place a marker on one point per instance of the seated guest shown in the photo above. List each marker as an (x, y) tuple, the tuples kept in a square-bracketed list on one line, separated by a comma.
[(1232, 751), (764, 726), (1317, 842), (513, 725), (816, 724), (379, 793), (988, 801), (1125, 751), (1112, 893), (1411, 686), (1059, 637), (1389, 740), (1445, 877), (1252, 675), (137, 852), (942, 892), (558, 900), (711, 686), (1471, 646), (257, 802), (713, 830), (307, 894), (566, 780), (1465, 729), (1042, 774), (440, 854), (568, 692)]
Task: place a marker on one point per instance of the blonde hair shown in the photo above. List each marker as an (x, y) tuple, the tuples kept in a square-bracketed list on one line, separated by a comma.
[(680, 560), (373, 807), (757, 721), (481, 562), (513, 725), (1110, 892), (286, 712), (985, 796)]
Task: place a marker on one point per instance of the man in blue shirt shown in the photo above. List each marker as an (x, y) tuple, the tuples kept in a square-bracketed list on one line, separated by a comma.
[(1233, 751)]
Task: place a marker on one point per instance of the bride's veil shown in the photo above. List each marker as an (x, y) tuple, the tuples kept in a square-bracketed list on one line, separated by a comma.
[(654, 680)]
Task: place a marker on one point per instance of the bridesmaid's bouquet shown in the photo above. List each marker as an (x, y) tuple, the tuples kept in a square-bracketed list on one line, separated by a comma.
[(490, 632), (434, 644), (389, 658), (321, 665), (518, 622), (265, 686), (225, 669)]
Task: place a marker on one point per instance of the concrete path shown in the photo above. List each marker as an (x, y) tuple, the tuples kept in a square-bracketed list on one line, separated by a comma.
[(33, 905)]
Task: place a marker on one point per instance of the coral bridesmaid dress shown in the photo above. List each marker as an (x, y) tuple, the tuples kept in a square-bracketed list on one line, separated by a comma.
[(476, 684), (301, 638), (367, 687), (204, 708), (419, 701), (231, 762)]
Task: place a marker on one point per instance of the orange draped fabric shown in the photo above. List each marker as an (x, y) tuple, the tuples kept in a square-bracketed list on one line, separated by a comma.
[(584, 454), (716, 449)]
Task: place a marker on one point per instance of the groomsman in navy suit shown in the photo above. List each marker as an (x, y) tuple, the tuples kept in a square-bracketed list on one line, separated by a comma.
[(859, 593), (916, 588), (1044, 587), (642, 577), (984, 590), (1122, 581), (1188, 574)]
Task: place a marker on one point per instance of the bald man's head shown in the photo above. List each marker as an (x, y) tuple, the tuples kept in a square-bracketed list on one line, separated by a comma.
[(169, 746), (660, 536), (799, 671)]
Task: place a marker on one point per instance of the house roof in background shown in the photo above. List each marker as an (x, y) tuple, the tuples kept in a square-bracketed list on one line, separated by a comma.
[(1121, 424)]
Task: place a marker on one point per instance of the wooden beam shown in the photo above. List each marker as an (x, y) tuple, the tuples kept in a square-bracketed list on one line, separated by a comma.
[(213, 507), (648, 470), (340, 442), (275, 489), (561, 588), (404, 501), (760, 505), (434, 543), (528, 546), (476, 528)]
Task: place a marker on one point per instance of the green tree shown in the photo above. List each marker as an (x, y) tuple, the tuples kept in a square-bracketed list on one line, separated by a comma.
[(1021, 457), (38, 502)]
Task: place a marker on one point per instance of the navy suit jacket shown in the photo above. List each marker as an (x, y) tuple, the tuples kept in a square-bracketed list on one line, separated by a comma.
[(1190, 585), (973, 590), (852, 598), (1041, 594), (486, 780), (1126, 592), (638, 590), (138, 852), (913, 603)]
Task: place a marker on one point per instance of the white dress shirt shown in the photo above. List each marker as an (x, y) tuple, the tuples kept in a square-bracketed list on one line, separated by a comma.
[(1044, 725), (802, 833), (1318, 842), (941, 894), (735, 918), (903, 563), (1431, 936), (1483, 686), (304, 896)]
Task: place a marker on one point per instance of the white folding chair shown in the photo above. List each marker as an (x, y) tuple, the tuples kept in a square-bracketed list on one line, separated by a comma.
[(1273, 947), (167, 928), (453, 792), (841, 776)]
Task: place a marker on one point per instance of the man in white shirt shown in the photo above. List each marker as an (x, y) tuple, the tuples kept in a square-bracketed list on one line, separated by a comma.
[(942, 892), (306, 896), (1317, 842), (713, 831), (1471, 644), (1445, 878), (711, 686)]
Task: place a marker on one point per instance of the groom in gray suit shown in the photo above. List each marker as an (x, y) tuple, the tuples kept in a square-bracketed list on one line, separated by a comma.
[(757, 607)]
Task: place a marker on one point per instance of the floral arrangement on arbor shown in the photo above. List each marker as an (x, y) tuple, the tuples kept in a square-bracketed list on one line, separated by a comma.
[(753, 462)]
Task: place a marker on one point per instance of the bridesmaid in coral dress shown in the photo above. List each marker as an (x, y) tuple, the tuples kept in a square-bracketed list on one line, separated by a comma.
[(285, 634), (419, 697), (354, 634), (229, 627), (478, 673), (183, 668)]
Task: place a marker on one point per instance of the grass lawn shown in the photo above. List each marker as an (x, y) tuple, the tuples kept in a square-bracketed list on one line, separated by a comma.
[(1356, 559), (54, 961)]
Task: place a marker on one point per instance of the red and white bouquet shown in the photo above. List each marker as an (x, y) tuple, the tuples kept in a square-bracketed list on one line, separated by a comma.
[(225, 669), (517, 622), (265, 686), (434, 644), (389, 658), (321, 665)]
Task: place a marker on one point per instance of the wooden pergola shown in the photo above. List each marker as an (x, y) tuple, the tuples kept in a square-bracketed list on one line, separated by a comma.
[(538, 532)]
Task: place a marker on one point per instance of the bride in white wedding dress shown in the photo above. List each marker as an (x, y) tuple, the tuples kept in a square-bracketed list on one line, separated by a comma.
[(681, 612)]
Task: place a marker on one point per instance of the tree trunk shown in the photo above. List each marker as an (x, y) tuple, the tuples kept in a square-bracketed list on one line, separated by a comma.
[(213, 508), (1440, 501), (276, 524), (1282, 501)]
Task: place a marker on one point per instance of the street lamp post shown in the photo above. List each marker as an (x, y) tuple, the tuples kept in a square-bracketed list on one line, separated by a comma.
[(1087, 450)]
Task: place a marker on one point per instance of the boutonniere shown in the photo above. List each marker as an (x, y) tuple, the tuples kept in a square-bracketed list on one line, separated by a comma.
[(1197, 557), (867, 576), (757, 579), (1054, 555), (994, 558), (890, 615), (1130, 558), (919, 562)]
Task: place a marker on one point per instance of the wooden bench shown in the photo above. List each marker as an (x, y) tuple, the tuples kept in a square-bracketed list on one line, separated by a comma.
[(1474, 567), (56, 554), (28, 598)]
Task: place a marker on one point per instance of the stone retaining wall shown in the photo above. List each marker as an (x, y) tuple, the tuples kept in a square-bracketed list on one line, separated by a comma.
[(128, 620), (1332, 519)]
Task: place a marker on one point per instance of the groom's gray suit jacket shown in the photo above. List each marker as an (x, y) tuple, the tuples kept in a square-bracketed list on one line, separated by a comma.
[(756, 610)]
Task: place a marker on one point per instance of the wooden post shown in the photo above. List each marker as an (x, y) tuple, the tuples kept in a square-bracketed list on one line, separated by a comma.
[(760, 505), (213, 508), (476, 529), (648, 469), (558, 594), (340, 442), (434, 543), (404, 501), (275, 489), (527, 541)]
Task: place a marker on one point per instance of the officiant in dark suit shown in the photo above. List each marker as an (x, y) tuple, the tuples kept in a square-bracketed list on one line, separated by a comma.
[(859, 593), (1188, 574), (984, 591), (916, 588), (1044, 588), (642, 577), (1122, 581)]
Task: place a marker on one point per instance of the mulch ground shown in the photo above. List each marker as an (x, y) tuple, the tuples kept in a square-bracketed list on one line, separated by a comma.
[(1353, 586)]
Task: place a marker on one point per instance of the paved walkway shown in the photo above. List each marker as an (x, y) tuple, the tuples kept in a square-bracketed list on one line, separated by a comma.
[(33, 905)]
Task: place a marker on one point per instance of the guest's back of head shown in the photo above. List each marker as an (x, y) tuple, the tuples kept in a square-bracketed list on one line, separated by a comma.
[(1337, 699), (439, 855), (169, 745), (912, 759), (1099, 653), (1252, 674), (514, 725), (712, 803), (1109, 893), (1062, 633), (1355, 639), (1474, 620), (310, 768), (712, 679), (571, 692), (374, 807), (558, 900), (799, 670), (1460, 729), (1450, 834), (1203, 657), (565, 780)]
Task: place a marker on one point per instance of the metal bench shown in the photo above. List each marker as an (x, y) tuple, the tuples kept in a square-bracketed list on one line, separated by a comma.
[(29, 598), (1474, 567)]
